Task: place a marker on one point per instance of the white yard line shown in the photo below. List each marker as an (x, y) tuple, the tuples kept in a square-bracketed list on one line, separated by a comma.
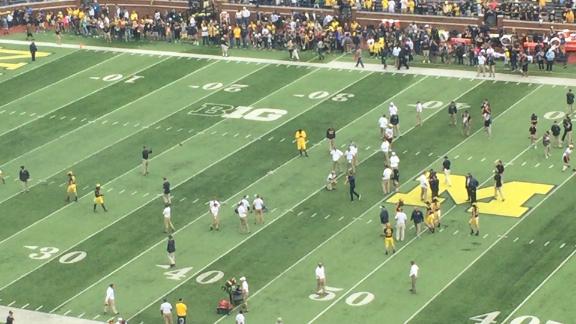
[(200, 217), (490, 247), (471, 75)]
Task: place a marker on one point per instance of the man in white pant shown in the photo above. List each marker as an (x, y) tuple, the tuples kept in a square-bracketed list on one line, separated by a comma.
[(400, 224)]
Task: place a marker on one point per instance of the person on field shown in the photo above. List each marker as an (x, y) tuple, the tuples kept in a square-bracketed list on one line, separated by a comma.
[(555, 129), (532, 135), (423, 184), (466, 123), (167, 213), (452, 112), (401, 219), (389, 239), (498, 186), (10, 318), (331, 181), (394, 119), (474, 221), (240, 318), (331, 136), (382, 124), (336, 155), (245, 293), (570, 101), (99, 198), (384, 218), (166, 191), (351, 182), (419, 109), (386, 179), (546, 142), (166, 311), (24, 176), (215, 211), (301, 139), (71, 192), (446, 165), (566, 157), (145, 155), (110, 300), (414, 269), (320, 280), (567, 124), (242, 212), (417, 218), (386, 148), (258, 206), (181, 311), (171, 249), (33, 50)]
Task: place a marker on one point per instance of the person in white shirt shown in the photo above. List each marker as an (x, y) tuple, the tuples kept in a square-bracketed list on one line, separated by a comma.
[(382, 124), (258, 205), (394, 119), (389, 134), (215, 211), (481, 65), (400, 224), (245, 202), (166, 311), (336, 156), (242, 212), (385, 147), (110, 300), (240, 319), (423, 186), (394, 161), (354, 150), (419, 109), (331, 181), (320, 280), (167, 213), (413, 275), (386, 179), (350, 159), (245, 293)]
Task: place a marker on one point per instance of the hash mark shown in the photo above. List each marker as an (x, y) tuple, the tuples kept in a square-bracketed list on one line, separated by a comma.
[(81, 315), (516, 239), (169, 128), (456, 157), (12, 303), (236, 135), (523, 163), (115, 123), (469, 158), (563, 245), (121, 191), (430, 154), (283, 139), (531, 241), (341, 218), (195, 200), (551, 166), (485, 236), (327, 216), (547, 242), (135, 192), (183, 199), (67, 312), (483, 159), (300, 213), (26, 305), (39, 307), (313, 215), (455, 232), (369, 221), (417, 153), (406, 151)]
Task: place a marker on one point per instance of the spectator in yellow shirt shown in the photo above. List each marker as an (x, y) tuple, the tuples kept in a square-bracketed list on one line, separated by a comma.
[(181, 311)]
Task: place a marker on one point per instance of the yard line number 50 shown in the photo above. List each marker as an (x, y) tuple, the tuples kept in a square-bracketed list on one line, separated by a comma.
[(360, 298)]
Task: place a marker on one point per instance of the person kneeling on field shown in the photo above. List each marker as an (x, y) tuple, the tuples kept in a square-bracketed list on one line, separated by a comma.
[(331, 181)]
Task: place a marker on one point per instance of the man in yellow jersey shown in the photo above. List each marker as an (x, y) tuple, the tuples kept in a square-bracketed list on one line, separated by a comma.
[(301, 137), (99, 198), (389, 239), (429, 220), (71, 189), (181, 310), (474, 221), (437, 212)]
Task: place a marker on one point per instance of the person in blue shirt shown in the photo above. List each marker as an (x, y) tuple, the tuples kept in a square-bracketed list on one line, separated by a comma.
[(384, 217), (351, 181), (417, 217)]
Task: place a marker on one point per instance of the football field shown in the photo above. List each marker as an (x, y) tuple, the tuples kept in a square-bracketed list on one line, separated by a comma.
[(224, 129)]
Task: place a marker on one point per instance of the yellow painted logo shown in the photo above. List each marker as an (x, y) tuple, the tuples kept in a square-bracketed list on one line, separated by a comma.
[(16, 58), (517, 193)]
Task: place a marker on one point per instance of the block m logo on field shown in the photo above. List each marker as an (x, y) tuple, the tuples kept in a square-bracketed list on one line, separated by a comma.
[(517, 193), (15, 59)]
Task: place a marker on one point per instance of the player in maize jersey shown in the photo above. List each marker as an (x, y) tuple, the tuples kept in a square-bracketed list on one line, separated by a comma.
[(301, 139), (99, 198), (474, 221), (71, 191)]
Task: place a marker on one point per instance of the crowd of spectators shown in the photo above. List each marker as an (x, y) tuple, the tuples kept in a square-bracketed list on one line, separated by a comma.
[(299, 31)]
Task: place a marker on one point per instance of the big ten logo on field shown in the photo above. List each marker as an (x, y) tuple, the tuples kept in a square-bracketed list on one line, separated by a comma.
[(15, 59), (517, 193), (238, 112)]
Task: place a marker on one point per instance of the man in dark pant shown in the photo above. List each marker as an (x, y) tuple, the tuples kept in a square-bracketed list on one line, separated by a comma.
[(33, 50), (471, 186), (351, 180)]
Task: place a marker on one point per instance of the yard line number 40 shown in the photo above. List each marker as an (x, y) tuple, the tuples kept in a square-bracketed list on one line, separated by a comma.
[(490, 318)]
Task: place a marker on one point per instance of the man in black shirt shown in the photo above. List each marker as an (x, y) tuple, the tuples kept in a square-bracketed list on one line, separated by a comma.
[(452, 111), (446, 164), (570, 101), (567, 124), (434, 183), (472, 185), (331, 135), (33, 50), (24, 176), (351, 181), (166, 191), (555, 129), (498, 185), (171, 249), (10, 318), (384, 217), (145, 154)]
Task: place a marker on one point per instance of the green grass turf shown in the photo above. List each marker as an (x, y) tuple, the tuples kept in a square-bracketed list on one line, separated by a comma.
[(214, 162), (45, 75), (251, 257)]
